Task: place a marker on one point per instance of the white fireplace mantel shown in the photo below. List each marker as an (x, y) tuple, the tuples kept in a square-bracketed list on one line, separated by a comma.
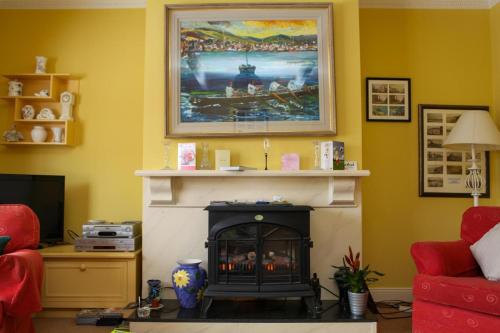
[(162, 189), (175, 224)]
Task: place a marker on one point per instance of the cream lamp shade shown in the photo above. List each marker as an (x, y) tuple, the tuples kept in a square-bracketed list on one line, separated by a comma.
[(474, 131), (474, 128)]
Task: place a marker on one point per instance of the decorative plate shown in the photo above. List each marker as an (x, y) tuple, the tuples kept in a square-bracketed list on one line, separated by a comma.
[(159, 307), (45, 114), (28, 112)]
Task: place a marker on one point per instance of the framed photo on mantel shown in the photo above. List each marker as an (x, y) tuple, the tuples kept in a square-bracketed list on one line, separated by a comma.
[(249, 69), (442, 171), (388, 99)]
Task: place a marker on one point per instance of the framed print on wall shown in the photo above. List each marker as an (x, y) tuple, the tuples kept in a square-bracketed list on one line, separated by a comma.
[(388, 99), (249, 69), (442, 171)]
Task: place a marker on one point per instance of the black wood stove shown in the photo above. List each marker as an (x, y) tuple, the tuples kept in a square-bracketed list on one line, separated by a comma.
[(259, 251)]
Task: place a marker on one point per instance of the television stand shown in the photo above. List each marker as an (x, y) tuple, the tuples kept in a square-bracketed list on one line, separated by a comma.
[(46, 245), (74, 280)]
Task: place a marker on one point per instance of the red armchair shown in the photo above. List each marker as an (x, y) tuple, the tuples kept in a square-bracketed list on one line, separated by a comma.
[(450, 292), (21, 269)]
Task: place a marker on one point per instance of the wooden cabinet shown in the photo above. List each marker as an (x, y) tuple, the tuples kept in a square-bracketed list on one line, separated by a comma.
[(89, 279), (34, 83)]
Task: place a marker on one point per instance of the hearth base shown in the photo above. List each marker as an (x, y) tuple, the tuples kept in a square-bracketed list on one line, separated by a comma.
[(263, 316)]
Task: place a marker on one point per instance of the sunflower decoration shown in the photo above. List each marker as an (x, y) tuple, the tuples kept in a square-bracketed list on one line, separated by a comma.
[(181, 278), (199, 295)]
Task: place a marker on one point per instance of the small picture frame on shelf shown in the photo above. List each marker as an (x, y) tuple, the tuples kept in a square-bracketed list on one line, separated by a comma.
[(388, 99), (290, 162)]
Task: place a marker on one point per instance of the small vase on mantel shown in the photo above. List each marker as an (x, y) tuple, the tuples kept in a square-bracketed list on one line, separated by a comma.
[(189, 281)]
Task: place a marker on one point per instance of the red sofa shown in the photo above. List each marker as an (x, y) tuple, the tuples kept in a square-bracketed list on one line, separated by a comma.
[(450, 292), (21, 269)]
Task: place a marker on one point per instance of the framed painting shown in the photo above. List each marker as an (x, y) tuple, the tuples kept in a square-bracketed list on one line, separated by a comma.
[(442, 171), (249, 69), (388, 99)]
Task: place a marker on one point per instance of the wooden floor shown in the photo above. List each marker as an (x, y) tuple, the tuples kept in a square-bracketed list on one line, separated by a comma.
[(65, 325)]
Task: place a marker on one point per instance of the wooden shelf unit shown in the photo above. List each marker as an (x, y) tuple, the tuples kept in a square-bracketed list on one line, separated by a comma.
[(33, 83)]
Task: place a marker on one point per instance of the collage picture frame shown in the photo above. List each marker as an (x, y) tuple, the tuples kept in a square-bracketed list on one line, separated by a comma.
[(442, 171)]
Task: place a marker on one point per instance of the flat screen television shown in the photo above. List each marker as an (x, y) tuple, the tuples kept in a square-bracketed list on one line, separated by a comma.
[(43, 194)]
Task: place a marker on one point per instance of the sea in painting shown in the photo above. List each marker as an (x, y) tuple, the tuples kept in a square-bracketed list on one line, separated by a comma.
[(249, 70)]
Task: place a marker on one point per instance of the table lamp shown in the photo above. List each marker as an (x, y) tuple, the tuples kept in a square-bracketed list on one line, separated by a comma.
[(474, 131)]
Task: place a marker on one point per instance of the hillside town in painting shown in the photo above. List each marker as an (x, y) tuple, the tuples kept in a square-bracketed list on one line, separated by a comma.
[(251, 70)]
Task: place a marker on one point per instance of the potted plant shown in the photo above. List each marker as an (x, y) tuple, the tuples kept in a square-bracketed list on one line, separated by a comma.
[(357, 280)]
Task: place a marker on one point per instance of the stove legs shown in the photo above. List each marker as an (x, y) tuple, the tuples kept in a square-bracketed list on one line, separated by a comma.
[(205, 305), (310, 303)]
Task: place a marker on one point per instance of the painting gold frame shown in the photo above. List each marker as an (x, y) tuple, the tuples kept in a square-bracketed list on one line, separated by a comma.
[(321, 12)]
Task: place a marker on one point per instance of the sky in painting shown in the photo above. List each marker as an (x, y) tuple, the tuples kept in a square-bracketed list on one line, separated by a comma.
[(258, 28)]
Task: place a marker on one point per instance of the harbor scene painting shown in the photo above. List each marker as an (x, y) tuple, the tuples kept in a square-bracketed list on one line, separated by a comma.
[(249, 70)]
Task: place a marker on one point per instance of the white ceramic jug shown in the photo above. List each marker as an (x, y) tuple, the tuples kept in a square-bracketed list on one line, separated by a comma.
[(41, 64), (38, 134)]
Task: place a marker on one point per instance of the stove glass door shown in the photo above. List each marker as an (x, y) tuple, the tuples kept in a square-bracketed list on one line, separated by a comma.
[(237, 255), (280, 255)]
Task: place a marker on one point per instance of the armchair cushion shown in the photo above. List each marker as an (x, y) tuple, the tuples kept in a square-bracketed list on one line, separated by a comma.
[(470, 293), (431, 317), (486, 252), (444, 258), (21, 224)]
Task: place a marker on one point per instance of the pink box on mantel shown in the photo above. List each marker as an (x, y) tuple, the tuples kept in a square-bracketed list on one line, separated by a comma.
[(290, 162)]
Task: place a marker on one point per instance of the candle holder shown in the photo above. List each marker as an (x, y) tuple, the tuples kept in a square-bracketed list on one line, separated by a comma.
[(267, 145), (166, 155), (205, 162), (317, 155)]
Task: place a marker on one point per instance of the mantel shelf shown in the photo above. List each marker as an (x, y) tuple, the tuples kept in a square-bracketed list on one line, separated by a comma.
[(252, 173), (159, 188)]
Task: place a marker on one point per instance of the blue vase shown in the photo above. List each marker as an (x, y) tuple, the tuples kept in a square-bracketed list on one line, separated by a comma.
[(189, 282), (154, 290)]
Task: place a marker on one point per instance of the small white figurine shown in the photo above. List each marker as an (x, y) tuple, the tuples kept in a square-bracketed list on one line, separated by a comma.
[(12, 135), (42, 93), (28, 112), (45, 114), (15, 88), (41, 64), (67, 102)]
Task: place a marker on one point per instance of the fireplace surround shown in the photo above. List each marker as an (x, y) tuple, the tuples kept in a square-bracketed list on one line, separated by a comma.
[(259, 251)]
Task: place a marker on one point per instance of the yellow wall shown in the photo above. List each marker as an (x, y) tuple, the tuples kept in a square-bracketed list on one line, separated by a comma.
[(248, 151), (446, 53), (105, 47), (495, 46), (447, 56)]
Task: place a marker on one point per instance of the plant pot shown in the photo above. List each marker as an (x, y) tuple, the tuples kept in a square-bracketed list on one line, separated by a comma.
[(189, 280), (357, 302)]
